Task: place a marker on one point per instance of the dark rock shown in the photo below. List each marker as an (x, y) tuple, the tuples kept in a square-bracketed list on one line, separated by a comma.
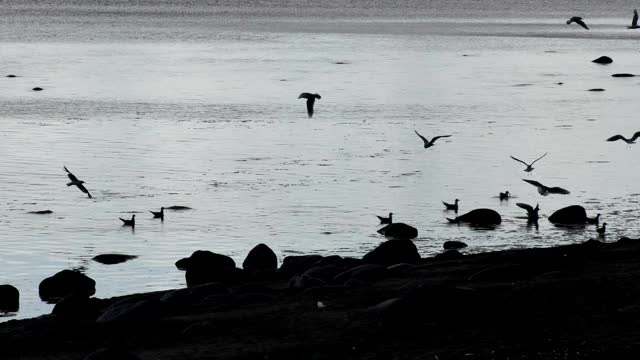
[(603, 60), (325, 272), (11, 76), (292, 265), (623, 75), (505, 272), (111, 354), (110, 259), (481, 217), (399, 231), (449, 255), (178, 208), (260, 259), (366, 272), (65, 283), (455, 245), (305, 282), (77, 307), (9, 298), (400, 269), (596, 89), (205, 266), (196, 295), (393, 252), (40, 212), (37, 89), (628, 241), (134, 310), (574, 214)]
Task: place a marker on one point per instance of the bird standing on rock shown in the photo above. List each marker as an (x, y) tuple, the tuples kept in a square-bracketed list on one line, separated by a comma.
[(602, 230), (311, 99), (76, 182)]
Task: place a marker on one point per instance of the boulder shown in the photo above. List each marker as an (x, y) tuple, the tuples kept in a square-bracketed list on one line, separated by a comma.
[(9, 298), (65, 283), (399, 231), (110, 259), (260, 259), (205, 266), (393, 252), (196, 295), (480, 217), (603, 60), (77, 307), (134, 310), (453, 244), (305, 282), (574, 214), (292, 265)]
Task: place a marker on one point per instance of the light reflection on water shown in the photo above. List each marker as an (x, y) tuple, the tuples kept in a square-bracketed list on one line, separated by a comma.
[(211, 125)]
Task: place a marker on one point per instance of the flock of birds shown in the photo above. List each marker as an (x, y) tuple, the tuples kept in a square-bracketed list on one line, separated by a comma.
[(578, 20)]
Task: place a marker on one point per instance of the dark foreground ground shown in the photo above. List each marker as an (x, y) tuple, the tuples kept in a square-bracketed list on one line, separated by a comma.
[(571, 302)]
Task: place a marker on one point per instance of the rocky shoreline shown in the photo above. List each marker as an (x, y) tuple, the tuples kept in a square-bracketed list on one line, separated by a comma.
[(578, 301)]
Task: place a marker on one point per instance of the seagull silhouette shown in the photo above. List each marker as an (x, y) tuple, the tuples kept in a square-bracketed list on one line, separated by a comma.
[(634, 21), (76, 182), (594, 220), (577, 20), (427, 143), (311, 99), (545, 190), (453, 206), (384, 220), (529, 166), (505, 195), (628, 141), (532, 213), (602, 229), (158, 214), (131, 222)]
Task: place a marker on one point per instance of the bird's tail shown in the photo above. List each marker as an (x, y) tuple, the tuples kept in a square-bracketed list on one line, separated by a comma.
[(89, 194), (123, 220)]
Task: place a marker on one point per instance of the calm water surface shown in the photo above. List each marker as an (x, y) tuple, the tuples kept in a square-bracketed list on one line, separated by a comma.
[(156, 105)]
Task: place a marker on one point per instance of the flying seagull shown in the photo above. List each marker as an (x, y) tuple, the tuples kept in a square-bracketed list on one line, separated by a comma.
[(131, 222), (384, 220), (545, 190), (634, 22), (628, 141), (529, 166), (76, 182), (577, 20), (158, 214), (311, 99), (453, 206), (427, 143), (532, 213)]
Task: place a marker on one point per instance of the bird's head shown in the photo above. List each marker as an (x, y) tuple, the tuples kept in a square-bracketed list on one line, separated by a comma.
[(457, 200), (162, 208), (537, 207), (133, 216), (318, 96)]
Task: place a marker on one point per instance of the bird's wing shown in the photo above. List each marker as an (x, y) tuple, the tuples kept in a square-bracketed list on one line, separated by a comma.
[(534, 161), (305, 95), (559, 190), (617, 137), (83, 189), (527, 207), (581, 23), (70, 175), (422, 137), (438, 137), (534, 183), (635, 136), (310, 102), (381, 218), (518, 160)]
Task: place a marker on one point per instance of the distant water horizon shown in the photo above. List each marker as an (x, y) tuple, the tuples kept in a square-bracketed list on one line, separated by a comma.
[(157, 104)]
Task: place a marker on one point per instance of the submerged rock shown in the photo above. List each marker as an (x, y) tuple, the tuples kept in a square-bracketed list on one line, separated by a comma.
[(603, 60), (37, 89), (393, 252), (40, 212), (596, 89), (65, 283), (623, 75), (482, 217), (453, 244), (574, 214), (9, 298), (11, 76), (110, 259), (399, 231), (178, 207)]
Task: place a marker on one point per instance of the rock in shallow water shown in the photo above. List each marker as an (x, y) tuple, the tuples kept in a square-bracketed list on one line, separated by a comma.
[(623, 75), (481, 217), (9, 298), (574, 214), (393, 252), (205, 266), (110, 259), (603, 60), (399, 231), (65, 283), (453, 244)]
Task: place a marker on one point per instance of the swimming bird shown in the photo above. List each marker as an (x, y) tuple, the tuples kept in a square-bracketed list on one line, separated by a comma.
[(545, 190), (532, 213), (158, 214), (427, 143), (76, 182), (131, 222), (594, 220), (577, 20), (384, 220), (453, 206), (634, 21), (504, 195), (311, 99), (602, 229), (529, 166), (628, 141)]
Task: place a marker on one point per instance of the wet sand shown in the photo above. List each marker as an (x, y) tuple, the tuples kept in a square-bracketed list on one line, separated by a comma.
[(568, 302)]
